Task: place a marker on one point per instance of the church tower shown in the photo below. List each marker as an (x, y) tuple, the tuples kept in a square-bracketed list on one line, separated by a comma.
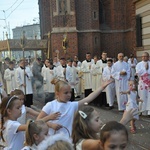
[(75, 27)]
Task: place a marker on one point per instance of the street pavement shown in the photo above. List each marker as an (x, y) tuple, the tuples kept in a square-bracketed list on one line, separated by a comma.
[(138, 141)]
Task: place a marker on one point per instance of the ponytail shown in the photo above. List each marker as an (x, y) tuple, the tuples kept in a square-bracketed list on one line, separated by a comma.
[(29, 140), (2, 128)]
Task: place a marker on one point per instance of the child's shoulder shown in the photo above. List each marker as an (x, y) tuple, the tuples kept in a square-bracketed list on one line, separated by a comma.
[(90, 144), (11, 123), (52, 102)]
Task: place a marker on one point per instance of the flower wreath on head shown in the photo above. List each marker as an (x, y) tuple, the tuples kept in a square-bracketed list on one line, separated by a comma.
[(51, 140)]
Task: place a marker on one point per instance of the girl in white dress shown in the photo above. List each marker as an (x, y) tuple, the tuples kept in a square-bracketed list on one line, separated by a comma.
[(24, 110), (66, 108), (132, 103), (12, 136), (36, 132)]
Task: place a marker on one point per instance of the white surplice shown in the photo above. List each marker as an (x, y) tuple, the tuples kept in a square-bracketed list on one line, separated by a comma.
[(9, 76), (144, 86), (121, 82), (110, 89), (86, 69), (59, 73), (20, 79), (132, 66), (78, 88), (96, 72), (103, 64), (43, 70), (71, 76), (48, 76)]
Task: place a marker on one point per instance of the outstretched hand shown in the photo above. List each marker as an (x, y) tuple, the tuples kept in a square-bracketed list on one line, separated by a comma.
[(107, 82)]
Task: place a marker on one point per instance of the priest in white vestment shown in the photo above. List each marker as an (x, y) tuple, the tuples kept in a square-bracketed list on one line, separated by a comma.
[(121, 73), (143, 72), (96, 72), (46, 63), (23, 80), (86, 69), (49, 88), (9, 76), (103, 64), (44, 66)]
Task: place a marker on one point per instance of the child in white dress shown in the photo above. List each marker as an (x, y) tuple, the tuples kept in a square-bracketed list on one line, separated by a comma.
[(132, 103), (65, 107), (36, 132), (24, 110)]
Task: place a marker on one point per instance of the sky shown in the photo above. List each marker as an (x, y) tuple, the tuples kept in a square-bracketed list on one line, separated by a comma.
[(15, 13)]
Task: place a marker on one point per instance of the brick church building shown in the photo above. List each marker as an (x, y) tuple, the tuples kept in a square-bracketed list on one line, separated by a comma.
[(88, 26)]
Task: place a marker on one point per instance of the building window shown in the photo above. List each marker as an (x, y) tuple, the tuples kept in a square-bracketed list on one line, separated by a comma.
[(101, 12), (96, 41), (138, 31), (95, 17), (62, 7)]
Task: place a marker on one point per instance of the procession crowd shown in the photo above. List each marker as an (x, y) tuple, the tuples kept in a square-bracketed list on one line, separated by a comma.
[(64, 122)]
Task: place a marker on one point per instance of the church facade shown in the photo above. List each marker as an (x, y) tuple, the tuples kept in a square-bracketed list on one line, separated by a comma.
[(143, 27), (75, 27)]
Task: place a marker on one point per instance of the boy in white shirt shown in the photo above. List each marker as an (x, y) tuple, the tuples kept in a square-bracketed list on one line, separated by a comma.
[(110, 89)]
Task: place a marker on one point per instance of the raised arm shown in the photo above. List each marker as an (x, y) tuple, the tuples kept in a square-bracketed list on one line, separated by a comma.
[(125, 92), (94, 94)]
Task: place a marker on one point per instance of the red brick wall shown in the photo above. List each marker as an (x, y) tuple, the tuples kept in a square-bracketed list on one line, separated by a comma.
[(84, 14), (56, 44), (120, 19), (116, 34)]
